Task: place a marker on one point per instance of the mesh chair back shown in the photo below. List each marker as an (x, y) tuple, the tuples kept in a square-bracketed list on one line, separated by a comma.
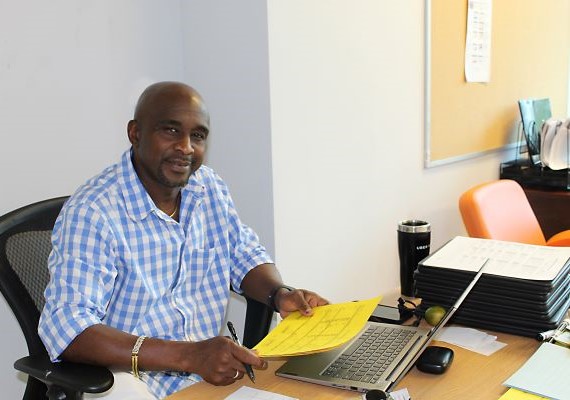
[(27, 254), (25, 245)]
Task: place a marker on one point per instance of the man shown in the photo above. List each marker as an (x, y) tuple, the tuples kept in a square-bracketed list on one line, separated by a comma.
[(144, 255)]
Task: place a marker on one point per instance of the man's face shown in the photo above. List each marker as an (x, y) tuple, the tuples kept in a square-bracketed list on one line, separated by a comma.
[(169, 139)]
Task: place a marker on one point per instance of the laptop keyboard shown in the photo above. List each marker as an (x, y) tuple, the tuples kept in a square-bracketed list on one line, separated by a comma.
[(369, 356)]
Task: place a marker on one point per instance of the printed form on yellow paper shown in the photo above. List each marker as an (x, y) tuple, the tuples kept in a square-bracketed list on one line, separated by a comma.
[(330, 326)]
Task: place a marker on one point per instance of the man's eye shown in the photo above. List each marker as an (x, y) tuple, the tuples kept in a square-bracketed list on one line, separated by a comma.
[(199, 135), (170, 130)]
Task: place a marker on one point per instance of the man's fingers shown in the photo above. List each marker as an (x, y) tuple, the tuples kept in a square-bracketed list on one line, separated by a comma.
[(316, 301), (247, 356), (302, 300), (264, 365), (305, 307)]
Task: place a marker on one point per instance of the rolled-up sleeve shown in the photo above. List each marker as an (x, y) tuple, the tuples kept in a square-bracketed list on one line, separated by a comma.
[(246, 251), (82, 275)]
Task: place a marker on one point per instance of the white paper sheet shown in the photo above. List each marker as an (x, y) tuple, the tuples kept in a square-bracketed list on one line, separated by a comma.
[(471, 339), (248, 393), (516, 260), (478, 41), (401, 394)]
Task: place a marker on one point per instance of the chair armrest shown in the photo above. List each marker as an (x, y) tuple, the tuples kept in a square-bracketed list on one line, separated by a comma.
[(560, 239), (257, 322), (77, 377), (258, 318)]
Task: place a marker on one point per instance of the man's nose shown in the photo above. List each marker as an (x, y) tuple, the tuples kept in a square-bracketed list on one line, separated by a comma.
[(185, 145)]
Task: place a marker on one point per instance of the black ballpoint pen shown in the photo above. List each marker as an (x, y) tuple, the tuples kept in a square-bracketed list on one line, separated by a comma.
[(248, 368)]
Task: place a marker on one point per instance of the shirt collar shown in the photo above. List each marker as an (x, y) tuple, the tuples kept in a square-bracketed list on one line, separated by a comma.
[(138, 202)]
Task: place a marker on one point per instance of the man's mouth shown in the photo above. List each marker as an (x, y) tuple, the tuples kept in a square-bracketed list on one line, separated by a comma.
[(179, 164)]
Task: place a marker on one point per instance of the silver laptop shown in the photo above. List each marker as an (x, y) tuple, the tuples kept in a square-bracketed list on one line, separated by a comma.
[(378, 357)]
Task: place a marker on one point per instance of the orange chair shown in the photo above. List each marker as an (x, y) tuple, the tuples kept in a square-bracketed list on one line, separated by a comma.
[(500, 210)]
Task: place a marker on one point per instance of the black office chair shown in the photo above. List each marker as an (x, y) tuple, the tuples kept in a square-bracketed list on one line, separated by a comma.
[(24, 248), (25, 244)]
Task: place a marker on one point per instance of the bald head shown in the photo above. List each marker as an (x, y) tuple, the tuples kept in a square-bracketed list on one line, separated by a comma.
[(165, 93)]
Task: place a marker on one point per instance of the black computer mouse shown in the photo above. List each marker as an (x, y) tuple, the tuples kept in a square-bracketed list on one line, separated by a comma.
[(435, 359), (375, 394)]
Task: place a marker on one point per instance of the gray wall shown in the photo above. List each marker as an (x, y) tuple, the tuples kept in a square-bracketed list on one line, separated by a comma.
[(226, 58), (70, 72)]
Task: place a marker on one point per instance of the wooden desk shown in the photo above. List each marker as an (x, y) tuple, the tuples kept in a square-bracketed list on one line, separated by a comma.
[(471, 376)]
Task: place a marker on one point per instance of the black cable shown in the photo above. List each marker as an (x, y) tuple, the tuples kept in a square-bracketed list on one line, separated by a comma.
[(409, 309)]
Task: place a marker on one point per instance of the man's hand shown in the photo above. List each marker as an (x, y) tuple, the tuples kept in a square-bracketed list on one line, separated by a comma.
[(260, 283), (302, 300), (219, 360)]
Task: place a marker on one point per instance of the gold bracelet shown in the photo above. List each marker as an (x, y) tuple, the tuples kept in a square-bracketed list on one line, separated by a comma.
[(135, 356)]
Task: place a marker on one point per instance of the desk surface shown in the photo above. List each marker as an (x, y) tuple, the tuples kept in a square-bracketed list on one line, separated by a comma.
[(471, 376)]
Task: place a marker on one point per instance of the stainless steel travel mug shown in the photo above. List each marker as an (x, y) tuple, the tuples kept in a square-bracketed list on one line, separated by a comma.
[(414, 238)]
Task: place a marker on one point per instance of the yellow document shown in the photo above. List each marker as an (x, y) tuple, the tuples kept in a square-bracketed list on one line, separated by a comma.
[(329, 327), (514, 394)]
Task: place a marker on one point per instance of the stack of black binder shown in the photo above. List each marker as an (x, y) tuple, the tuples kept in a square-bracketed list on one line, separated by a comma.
[(525, 289)]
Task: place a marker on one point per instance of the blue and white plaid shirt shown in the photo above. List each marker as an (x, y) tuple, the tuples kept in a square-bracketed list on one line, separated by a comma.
[(119, 260)]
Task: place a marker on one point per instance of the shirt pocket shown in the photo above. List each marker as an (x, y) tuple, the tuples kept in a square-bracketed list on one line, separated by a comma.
[(204, 270)]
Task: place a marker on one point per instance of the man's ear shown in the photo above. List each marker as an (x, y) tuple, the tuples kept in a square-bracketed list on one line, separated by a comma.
[(133, 132)]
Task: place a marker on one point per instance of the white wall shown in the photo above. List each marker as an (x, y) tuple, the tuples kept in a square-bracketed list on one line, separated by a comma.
[(70, 72), (347, 124)]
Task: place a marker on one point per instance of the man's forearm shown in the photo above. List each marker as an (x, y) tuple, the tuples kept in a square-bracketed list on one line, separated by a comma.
[(218, 360), (260, 282), (103, 345)]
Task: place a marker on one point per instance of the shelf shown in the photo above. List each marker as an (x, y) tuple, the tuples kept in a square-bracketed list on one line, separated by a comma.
[(536, 176)]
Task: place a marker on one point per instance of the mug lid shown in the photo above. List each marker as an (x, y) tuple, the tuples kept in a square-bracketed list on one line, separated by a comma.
[(414, 226)]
